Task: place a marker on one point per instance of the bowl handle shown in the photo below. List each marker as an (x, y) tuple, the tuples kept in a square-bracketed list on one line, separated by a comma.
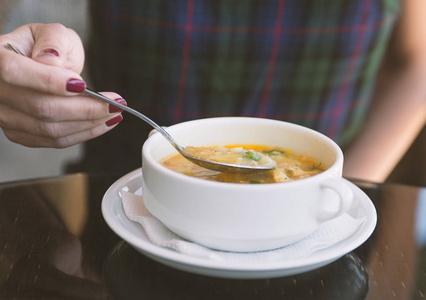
[(345, 198)]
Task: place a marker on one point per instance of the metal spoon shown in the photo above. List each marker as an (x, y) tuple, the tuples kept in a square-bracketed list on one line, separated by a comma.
[(205, 163), (208, 164)]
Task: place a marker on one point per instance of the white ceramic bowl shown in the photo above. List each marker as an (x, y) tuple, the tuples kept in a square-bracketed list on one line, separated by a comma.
[(244, 217)]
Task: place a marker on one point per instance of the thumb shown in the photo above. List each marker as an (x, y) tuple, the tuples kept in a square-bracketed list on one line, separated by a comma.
[(57, 45)]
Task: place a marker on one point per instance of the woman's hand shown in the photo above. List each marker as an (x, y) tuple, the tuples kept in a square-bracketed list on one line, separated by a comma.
[(40, 101)]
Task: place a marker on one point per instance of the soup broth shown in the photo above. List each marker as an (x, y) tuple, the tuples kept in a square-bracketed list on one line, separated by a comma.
[(289, 166)]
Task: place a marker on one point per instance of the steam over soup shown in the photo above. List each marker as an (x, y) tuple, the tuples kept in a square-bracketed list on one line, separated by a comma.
[(289, 166)]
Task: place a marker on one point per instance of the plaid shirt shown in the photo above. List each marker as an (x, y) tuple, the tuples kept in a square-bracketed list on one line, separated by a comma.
[(310, 62)]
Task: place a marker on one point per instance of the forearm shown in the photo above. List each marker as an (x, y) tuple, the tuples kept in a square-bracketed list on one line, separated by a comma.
[(399, 104), (395, 119)]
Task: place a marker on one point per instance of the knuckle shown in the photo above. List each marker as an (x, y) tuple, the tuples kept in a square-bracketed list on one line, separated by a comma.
[(49, 129), (46, 81), (56, 27), (61, 143), (92, 112), (94, 132), (43, 110)]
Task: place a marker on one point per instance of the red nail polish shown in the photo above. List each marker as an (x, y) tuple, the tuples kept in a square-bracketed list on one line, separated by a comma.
[(76, 85), (49, 51), (115, 109), (114, 121)]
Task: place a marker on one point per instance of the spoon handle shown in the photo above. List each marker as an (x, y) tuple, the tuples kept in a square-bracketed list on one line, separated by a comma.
[(133, 112), (112, 102), (121, 106), (11, 48)]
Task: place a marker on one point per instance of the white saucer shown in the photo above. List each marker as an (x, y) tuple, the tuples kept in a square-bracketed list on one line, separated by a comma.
[(134, 234)]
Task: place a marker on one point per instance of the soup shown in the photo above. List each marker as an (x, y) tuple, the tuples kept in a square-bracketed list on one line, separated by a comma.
[(233, 155), (289, 166)]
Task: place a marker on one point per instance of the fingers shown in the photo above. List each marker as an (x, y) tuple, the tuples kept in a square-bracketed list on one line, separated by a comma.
[(54, 138), (23, 72), (51, 44), (63, 122), (16, 120), (50, 108), (40, 101), (56, 45), (54, 55)]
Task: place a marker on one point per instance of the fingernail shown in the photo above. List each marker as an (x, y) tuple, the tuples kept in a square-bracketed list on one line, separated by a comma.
[(75, 85), (49, 51), (115, 109), (114, 121)]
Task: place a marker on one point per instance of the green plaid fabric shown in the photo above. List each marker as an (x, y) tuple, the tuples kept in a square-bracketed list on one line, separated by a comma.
[(310, 62)]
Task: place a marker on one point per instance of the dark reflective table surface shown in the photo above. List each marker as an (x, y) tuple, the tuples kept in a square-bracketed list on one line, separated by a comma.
[(55, 244)]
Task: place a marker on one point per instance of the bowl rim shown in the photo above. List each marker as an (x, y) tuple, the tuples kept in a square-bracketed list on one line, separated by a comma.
[(147, 158)]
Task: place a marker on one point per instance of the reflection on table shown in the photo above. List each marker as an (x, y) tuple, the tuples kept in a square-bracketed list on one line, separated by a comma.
[(55, 244), (128, 273)]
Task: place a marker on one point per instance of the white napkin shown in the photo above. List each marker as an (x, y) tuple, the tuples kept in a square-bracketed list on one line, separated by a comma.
[(328, 234)]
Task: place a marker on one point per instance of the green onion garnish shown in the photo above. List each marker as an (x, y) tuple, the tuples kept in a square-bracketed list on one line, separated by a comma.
[(251, 155)]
